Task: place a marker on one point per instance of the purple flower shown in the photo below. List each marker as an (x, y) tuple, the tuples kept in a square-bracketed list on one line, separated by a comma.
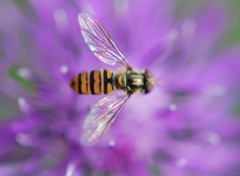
[(188, 125)]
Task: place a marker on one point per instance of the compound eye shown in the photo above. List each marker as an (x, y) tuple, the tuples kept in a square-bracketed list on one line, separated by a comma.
[(148, 74), (149, 88)]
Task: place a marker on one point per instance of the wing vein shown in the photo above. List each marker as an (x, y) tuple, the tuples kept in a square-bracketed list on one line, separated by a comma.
[(98, 40), (101, 116)]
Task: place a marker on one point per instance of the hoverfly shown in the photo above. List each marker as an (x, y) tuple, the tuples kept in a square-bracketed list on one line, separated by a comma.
[(96, 82)]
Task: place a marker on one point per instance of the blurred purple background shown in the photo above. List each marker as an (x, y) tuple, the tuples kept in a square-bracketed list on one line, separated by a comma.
[(188, 126)]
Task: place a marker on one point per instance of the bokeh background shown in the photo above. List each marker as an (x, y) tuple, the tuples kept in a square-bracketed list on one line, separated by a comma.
[(188, 126)]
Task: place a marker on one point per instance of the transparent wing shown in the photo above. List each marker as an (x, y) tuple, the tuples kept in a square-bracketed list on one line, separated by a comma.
[(99, 41), (101, 116)]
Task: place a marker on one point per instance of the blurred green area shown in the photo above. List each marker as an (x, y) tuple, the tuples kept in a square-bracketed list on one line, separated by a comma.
[(232, 36), (236, 109), (25, 83), (9, 106), (2, 112), (25, 7)]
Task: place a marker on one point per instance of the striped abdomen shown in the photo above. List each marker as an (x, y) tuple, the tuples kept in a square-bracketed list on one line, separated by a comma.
[(94, 82)]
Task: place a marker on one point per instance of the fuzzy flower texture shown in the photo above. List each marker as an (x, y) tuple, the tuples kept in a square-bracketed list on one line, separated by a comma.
[(188, 125)]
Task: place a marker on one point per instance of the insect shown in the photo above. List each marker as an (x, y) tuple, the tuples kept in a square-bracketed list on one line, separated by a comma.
[(96, 82)]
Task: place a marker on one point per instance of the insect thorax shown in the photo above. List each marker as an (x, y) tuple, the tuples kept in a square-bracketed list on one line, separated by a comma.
[(132, 81)]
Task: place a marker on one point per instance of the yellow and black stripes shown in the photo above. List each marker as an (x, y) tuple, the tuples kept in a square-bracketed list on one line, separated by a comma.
[(94, 82), (108, 81)]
